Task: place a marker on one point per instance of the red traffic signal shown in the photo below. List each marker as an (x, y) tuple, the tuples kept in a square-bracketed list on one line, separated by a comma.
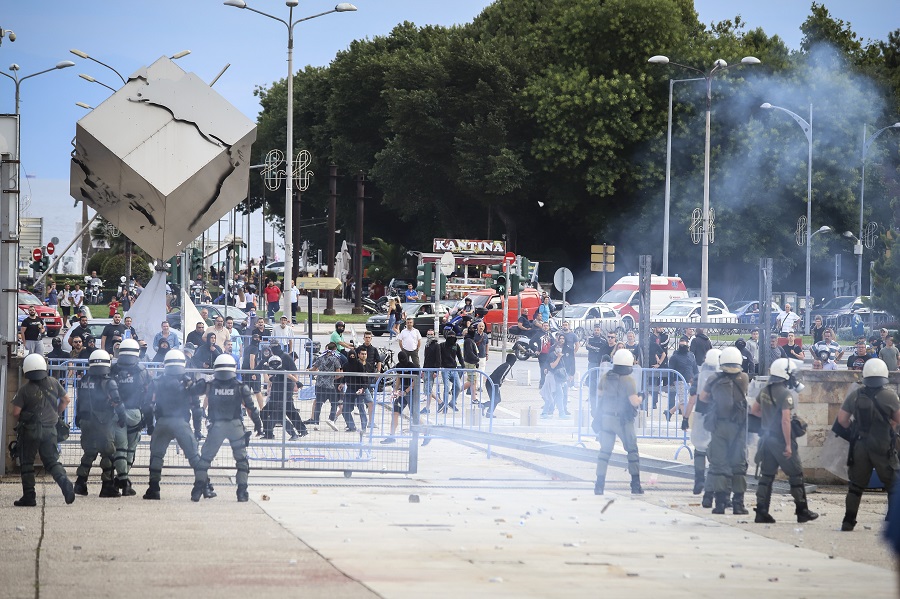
[(37, 254), (50, 248)]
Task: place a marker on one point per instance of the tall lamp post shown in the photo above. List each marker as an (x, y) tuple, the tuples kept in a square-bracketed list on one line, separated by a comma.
[(858, 248), (668, 200), (718, 67), (808, 130), (288, 183)]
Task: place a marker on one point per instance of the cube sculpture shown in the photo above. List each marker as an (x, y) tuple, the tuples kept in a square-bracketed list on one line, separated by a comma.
[(162, 159)]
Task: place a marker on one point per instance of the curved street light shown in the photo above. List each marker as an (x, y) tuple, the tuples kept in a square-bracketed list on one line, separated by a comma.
[(858, 248), (808, 130), (719, 66), (63, 64), (289, 170)]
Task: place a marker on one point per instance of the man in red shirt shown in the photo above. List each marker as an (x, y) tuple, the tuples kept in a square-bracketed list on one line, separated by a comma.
[(273, 296)]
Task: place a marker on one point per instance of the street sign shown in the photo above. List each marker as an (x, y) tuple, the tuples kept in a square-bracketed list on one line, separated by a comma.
[(50, 248), (37, 254), (321, 283), (509, 258), (448, 263), (563, 279)]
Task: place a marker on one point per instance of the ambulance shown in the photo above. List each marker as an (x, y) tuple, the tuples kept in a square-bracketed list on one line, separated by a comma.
[(623, 296)]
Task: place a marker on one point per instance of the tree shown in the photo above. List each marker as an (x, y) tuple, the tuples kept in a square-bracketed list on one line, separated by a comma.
[(389, 260)]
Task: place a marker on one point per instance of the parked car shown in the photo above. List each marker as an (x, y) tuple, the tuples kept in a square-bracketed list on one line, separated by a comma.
[(838, 312), (583, 317), (52, 320), (689, 312), (748, 312), (241, 320), (276, 267), (696, 301), (422, 313)]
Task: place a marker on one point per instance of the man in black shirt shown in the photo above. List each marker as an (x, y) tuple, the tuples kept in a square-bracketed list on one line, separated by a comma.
[(196, 336), (858, 360), (112, 334), (30, 333), (82, 330)]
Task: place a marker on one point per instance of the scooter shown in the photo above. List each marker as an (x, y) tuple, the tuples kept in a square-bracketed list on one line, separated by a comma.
[(522, 349)]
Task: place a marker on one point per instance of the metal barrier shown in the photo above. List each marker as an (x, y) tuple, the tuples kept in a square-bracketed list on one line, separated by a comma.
[(654, 420)]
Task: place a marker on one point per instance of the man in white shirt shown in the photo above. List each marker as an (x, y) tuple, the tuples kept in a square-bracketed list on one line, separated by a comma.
[(295, 298), (221, 332), (829, 345), (77, 299), (283, 334), (410, 340), (787, 320)]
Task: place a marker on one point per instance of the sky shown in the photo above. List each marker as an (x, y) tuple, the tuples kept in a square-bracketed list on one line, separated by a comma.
[(129, 35)]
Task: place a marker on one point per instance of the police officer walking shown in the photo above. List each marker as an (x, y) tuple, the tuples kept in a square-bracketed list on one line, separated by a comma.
[(777, 446), (869, 416), (726, 419), (175, 402), (699, 435), (226, 395), (37, 406), (134, 386), (99, 412), (614, 412)]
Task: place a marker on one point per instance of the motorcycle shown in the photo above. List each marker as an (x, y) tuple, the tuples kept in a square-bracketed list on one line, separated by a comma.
[(197, 293), (92, 294)]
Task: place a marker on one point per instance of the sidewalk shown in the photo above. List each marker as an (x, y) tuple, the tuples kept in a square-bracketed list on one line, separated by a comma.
[(464, 526)]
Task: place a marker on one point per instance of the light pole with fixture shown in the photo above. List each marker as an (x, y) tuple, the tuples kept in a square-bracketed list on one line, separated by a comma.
[(808, 130), (858, 248), (718, 67), (289, 171)]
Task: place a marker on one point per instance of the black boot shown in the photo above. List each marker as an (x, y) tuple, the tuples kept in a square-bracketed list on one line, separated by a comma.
[(699, 472), (209, 492), (125, 488), (242, 494), (847, 525), (721, 497), (737, 505), (636, 485), (81, 486), (803, 513), (27, 500), (198, 491), (707, 500), (763, 516), (68, 490), (152, 491), (108, 489)]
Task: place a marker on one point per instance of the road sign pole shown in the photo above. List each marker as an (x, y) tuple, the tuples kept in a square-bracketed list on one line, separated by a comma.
[(505, 299)]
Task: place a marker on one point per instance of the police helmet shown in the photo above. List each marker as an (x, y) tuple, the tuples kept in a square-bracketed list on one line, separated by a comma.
[(174, 362), (712, 358), (129, 352), (730, 360), (274, 363), (875, 373), (225, 368), (34, 367), (623, 361), (781, 368), (99, 363)]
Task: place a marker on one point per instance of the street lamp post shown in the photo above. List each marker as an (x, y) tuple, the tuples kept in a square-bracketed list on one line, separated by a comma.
[(858, 248), (665, 267), (808, 130), (718, 67), (288, 183)]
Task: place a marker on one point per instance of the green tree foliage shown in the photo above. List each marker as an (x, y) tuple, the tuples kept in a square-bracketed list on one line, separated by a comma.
[(114, 267), (390, 260)]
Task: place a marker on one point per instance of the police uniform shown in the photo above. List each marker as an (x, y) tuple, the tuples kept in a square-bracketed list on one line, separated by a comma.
[(175, 403), (700, 438), (727, 450), (871, 444), (773, 399), (614, 416), (39, 401), (133, 382), (101, 416), (225, 399)]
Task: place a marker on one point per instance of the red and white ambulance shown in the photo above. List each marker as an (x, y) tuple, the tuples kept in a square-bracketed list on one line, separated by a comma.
[(623, 296)]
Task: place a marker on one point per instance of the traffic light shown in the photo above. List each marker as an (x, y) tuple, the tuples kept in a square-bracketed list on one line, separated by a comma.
[(45, 262), (196, 262), (521, 276), (603, 258), (440, 285), (423, 277), (174, 270), (498, 278), (38, 265)]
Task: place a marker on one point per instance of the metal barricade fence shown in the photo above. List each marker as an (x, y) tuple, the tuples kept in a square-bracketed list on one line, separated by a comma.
[(664, 395)]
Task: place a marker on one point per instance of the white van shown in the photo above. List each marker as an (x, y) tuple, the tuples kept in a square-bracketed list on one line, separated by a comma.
[(623, 296)]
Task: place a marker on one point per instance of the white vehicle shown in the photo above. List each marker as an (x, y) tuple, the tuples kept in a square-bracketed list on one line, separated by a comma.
[(583, 317), (689, 312), (696, 301), (623, 296)]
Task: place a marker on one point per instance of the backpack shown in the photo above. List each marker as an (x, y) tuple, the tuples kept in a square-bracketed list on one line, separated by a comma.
[(729, 396)]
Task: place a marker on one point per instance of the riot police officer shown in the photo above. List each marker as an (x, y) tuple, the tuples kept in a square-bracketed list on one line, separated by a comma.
[(777, 446), (614, 411), (37, 407), (869, 416), (699, 435), (175, 401), (134, 386), (99, 412), (225, 396), (726, 418)]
